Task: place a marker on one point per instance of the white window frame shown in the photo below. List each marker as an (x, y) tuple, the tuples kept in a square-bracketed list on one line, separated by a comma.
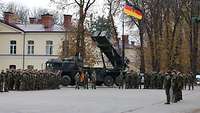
[(49, 47), (13, 47), (30, 47)]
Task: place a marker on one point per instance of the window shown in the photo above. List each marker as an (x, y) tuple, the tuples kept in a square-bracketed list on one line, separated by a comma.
[(12, 47), (30, 67), (30, 47), (12, 67), (49, 47)]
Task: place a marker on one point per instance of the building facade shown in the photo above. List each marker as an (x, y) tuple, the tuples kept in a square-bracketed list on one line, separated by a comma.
[(30, 45)]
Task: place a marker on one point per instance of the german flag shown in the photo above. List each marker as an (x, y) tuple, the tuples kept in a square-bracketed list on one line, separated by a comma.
[(133, 11)]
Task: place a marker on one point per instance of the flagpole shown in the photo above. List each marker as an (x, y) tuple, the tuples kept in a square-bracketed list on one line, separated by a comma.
[(123, 42)]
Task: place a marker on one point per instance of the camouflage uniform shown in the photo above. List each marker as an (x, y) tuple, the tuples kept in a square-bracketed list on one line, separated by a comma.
[(167, 86), (93, 80), (121, 78), (190, 81), (174, 85), (1, 82), (147, 80), (129, 80), (180, 87)]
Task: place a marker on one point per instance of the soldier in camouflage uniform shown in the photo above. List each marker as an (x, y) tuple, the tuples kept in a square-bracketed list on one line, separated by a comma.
[(6, 81), (190, 81), (121, 78), (167, 85), (180, 87), (129, 80), (174, 87), (93, 79), (135, 80), (1, 82), (140, 80), (11, 74), (147, 80), (85, 83)]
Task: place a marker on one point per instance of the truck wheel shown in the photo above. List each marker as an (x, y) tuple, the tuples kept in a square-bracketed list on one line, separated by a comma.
[(108, 81), (66, 80)]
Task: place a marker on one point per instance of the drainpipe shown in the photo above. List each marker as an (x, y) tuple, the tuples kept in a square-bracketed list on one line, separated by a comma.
[(23, 55)]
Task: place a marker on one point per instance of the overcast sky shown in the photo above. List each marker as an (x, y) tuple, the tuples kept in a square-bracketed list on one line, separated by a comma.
[(31, 3), (47, 5)]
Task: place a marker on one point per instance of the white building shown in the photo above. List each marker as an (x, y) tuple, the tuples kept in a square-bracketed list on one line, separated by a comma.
[(30, 45)]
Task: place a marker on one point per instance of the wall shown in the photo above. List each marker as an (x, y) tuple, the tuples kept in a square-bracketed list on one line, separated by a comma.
[(39, 58)]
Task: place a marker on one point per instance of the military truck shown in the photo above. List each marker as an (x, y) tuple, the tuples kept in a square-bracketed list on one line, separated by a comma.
[(104, 75)]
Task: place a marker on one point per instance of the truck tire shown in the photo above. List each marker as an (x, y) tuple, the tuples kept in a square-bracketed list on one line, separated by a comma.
[(108, 81), (66, 80)]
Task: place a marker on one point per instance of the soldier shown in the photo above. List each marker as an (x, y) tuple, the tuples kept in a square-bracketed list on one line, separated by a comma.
[(147, 80), (17, 79), (77, 79), (190, 81), (174, 85), (135, 80), (22, 81), (93, 79), (167, 85), (121, 78), (162, 80), (86, 80), (140, 80), (11, 73), (1, 82), (185, 81), (37, 81), (180, 87), (129, 80), (5, 77), (58, 79)]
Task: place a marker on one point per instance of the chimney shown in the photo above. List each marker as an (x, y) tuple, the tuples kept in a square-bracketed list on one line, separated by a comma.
[(126, 40), (47, 20), (33, 20), (39, 21), (10, 17), (67, 21)]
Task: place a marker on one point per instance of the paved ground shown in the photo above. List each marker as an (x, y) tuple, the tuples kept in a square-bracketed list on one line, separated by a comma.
[(102, 100)]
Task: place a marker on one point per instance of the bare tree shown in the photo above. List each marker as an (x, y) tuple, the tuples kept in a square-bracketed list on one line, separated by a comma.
[(113, 7), (21, 11), (83, 6), (1, 8), (37, 12)]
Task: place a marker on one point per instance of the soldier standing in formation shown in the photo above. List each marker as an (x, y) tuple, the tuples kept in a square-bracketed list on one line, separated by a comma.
[(1, 82), (190, 81), (121, 80), (93, 79), (25, 80), (167, 86)]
